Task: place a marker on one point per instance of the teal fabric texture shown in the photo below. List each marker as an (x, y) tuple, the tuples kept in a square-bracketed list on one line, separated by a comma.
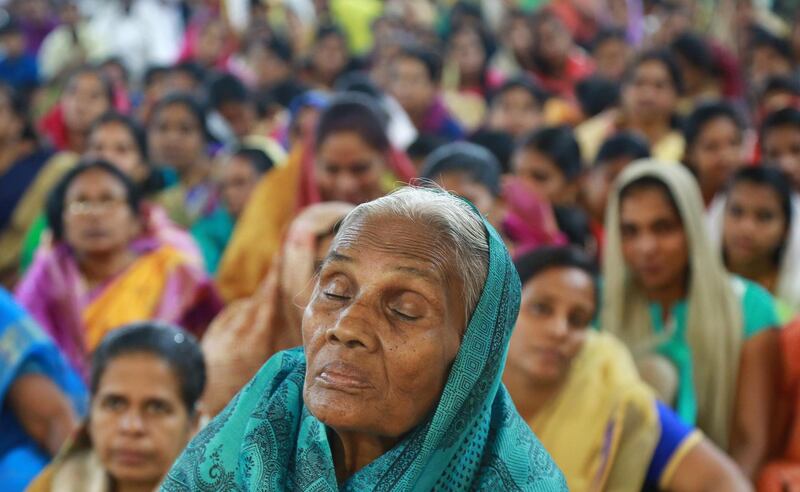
[(474, 439)]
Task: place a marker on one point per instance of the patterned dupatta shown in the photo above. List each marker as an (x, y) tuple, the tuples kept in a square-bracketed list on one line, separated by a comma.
[(266, 439)]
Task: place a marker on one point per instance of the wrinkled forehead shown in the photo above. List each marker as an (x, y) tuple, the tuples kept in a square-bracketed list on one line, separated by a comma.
[(398, 237)]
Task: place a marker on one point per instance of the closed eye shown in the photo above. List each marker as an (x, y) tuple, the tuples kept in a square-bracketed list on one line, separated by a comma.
[(405, 317)]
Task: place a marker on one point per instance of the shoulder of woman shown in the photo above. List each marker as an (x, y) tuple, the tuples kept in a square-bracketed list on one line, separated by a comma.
[(759, 309)]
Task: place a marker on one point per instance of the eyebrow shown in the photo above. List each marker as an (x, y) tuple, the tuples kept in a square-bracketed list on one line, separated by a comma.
[(336, 257)]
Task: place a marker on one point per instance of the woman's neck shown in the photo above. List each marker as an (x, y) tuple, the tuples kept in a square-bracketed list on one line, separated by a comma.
[(99, 268), (654, 130), (763, 271), (529, 396), (195, 174), (667, 296), (353, 451), (135, 486), (77, 141)]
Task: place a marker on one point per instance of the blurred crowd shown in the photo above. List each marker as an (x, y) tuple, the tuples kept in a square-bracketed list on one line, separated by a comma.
[(183, 165)]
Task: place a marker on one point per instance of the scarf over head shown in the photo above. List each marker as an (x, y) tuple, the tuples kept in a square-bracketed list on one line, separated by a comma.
[(267, 439), (714, 322)]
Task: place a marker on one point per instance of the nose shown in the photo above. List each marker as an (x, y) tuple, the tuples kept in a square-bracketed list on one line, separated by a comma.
[(347, 184), (558, 327), (354, 329), (647, 244), (132, 423)]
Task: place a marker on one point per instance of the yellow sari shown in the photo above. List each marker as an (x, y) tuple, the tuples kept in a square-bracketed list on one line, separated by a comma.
[(137, 295), (603, 426), (27, 211)]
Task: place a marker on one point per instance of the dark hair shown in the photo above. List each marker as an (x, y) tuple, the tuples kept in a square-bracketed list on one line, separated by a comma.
[(780, 84), (703, 114), (258, 159), (696, 51), (327, 30), (649, 183), (178, 348), (500, 144), (131, 125), (762, 38), (429, 59), (662, 56), (609, 34), (192, 69), (154, 72), (468, 158), (486, 41), (767, 176), (19, 105), (10, 25), (227, 88), (108, 87), (622, 144), (279, 47), (287, 91), (531, 264), (782, 117), (356, 81), (596, 94), (559, 144), (355, 113), (424, 145), (525, 83), (54, 208), (187, 101)]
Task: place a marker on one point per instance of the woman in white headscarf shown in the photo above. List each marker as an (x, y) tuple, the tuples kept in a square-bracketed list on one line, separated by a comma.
[(700, 336)]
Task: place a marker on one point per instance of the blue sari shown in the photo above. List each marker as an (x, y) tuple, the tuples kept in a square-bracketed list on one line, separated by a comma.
[(26, 349), (474, 439)]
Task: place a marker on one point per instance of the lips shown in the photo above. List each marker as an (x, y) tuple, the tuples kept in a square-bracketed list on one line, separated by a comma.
[(129, 457), (343, 376)]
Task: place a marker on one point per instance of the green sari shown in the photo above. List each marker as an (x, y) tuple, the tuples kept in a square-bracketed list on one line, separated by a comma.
[(266, 438)]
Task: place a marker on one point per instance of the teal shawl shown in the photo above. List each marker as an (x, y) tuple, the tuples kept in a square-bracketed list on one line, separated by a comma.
[(266, 439)]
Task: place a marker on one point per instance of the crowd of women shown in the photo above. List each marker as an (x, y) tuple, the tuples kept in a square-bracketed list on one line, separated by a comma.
[(400, 245)]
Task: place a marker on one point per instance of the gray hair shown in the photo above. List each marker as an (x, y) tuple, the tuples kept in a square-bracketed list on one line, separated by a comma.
[(459, 226)]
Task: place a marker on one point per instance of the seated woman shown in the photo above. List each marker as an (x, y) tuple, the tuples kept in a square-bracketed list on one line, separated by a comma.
[(579, 391), (236, 178), (249, 331), (177, 137), (701, 336), (350, 160), (119, 140), (88, 94), (759, 233), (146, 379), (715, 147), (28, 171), (650, 90), (99, 275), (398, 384), (40, 394), (524, 220)]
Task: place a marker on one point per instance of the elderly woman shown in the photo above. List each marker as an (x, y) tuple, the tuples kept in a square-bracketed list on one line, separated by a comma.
[(397, 385), (146, 379)]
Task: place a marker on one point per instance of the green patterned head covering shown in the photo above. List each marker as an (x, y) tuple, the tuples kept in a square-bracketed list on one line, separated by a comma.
[(266, 439)]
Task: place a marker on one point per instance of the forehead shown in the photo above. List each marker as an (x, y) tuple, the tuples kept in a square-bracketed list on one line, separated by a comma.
[(345, 147), (757, 194), (573, 285), (517, 94), (139, 374), (395, 240), (651, 69), (94, 180), (781, 134), (647, 204)]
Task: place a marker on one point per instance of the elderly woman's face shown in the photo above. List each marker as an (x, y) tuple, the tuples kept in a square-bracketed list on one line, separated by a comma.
[(383, 327)]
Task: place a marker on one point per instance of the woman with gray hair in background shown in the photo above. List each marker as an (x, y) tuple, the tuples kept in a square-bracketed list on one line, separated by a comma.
[(397, 385)]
